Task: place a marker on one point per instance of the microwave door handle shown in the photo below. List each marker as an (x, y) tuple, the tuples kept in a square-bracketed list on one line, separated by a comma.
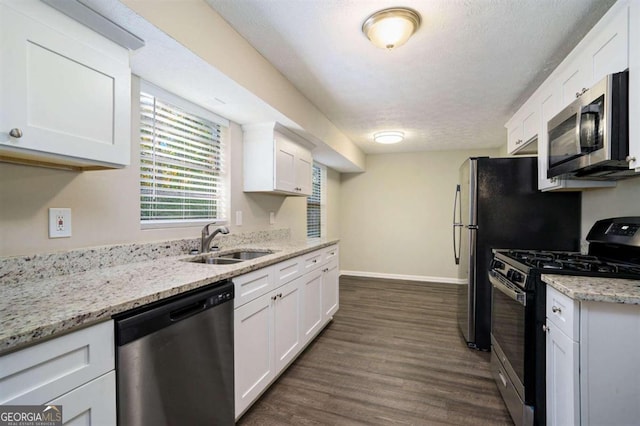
[(594, 110), (591, 109)]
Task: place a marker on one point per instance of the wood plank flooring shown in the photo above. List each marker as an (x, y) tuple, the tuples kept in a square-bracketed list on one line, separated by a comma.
[(392, 355)]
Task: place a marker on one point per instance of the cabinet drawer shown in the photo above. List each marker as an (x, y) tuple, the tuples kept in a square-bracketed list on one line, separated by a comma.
[(288, 271), (331, 253), (47, 370), (313, 260), (563, 312), (252, 285)]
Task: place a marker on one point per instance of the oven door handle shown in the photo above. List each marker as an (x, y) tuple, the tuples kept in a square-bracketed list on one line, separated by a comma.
[(517, 295)]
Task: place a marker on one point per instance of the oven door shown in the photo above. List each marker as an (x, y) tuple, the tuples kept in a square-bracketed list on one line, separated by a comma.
[(508, 328)]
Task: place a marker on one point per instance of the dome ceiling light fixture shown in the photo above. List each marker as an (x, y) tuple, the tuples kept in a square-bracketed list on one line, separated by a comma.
[(388, 137), (390, 28)]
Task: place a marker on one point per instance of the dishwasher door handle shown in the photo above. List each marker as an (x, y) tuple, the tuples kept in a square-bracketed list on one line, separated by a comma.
[(187, 311)]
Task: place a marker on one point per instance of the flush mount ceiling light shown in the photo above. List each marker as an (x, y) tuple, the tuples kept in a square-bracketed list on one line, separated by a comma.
[(388, 137), (390, 28)]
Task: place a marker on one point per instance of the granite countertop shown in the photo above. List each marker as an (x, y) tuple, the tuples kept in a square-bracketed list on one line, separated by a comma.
[(596, 289), (35, 309)]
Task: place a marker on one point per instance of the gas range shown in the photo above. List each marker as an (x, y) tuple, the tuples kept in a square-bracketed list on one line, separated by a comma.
[(614, 252), (519, 307), (569, 263)]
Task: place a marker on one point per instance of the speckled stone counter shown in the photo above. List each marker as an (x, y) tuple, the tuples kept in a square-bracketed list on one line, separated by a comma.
[(37, 308), (596, 289)]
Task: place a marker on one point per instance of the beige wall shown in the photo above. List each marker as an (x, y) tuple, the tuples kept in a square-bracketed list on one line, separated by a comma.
[(395, 219), (623, 200), (204, 32), (105, 205)]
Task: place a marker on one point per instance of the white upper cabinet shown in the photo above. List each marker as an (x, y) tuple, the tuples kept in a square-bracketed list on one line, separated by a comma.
[(276, 160), (65, 91), (523, 129)]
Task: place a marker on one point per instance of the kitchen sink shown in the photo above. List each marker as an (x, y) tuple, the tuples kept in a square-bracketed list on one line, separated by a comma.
[(229, 258), (212, 260), (245, 254)]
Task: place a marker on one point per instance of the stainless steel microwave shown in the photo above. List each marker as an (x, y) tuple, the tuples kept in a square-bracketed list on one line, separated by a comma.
[(589, 139)]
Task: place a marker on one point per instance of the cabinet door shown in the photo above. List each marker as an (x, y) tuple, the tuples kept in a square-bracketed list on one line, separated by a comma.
[(608, 52), (550, 106), (563, 404), (91, 404), (66, 97), (514, 136), (285, 167), (573, 80), (304, 173), (253, 350), (312, 304), (288, 325), (330, 289)]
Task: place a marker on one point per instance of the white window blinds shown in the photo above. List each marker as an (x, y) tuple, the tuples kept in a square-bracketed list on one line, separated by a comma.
[(181, 164), (314, 204)]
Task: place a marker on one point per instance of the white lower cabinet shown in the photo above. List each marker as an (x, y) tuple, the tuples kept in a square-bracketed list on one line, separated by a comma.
[(271, 330), (254, 358), (593, 373), (90, 404), (330, 289), (75, 370), (563, 391), (312, 293), (287, 324)]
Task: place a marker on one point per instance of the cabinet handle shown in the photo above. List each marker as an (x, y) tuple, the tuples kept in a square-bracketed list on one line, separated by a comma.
[(315, 260), (519, 141), (15, 133), (274, 297), (280, 295), (556, 310), (630, 159), (546, 328), (582, 92)]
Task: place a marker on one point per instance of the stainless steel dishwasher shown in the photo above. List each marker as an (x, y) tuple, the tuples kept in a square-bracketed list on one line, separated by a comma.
[(175, 360)]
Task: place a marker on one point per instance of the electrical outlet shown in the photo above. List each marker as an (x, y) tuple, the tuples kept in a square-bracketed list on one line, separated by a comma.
[(59, 222), (272, 218), (239, 218)]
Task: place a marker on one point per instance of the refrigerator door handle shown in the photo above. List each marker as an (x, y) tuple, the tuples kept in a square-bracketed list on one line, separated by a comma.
[(457, 208)]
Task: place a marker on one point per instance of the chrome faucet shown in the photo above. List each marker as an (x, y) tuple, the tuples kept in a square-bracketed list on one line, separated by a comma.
[(206, 238)]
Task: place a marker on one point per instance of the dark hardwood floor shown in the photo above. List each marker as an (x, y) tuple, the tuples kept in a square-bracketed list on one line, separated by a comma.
[(392, 355)]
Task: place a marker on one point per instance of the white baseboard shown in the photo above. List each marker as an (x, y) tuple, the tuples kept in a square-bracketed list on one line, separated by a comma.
[(422, 278)]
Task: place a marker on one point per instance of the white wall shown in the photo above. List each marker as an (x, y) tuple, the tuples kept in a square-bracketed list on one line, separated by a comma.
[(623, 200), (105, 204), (195, 25), (395, 219)]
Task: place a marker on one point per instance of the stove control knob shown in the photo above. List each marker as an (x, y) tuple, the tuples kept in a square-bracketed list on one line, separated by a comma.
[(517, 277), (496, 264)]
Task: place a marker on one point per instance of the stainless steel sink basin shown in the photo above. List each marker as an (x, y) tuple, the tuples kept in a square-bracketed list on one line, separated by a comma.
[(213, 260), (229, 258), (245, 254)]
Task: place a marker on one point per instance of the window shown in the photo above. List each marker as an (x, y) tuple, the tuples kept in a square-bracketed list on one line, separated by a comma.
[(182, 176), (315, 203)]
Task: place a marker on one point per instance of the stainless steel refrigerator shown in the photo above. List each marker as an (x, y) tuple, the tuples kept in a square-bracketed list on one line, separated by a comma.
[(497, 205)]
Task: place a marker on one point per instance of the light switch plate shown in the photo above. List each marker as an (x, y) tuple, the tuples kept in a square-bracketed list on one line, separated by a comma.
[(272, 218), (239, 218), (59, 222)]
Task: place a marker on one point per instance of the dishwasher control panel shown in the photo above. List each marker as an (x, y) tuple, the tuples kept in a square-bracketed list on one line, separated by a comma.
[(219, 298)]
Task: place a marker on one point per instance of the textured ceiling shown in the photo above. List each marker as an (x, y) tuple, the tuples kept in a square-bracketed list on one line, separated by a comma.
[(452, 86)]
